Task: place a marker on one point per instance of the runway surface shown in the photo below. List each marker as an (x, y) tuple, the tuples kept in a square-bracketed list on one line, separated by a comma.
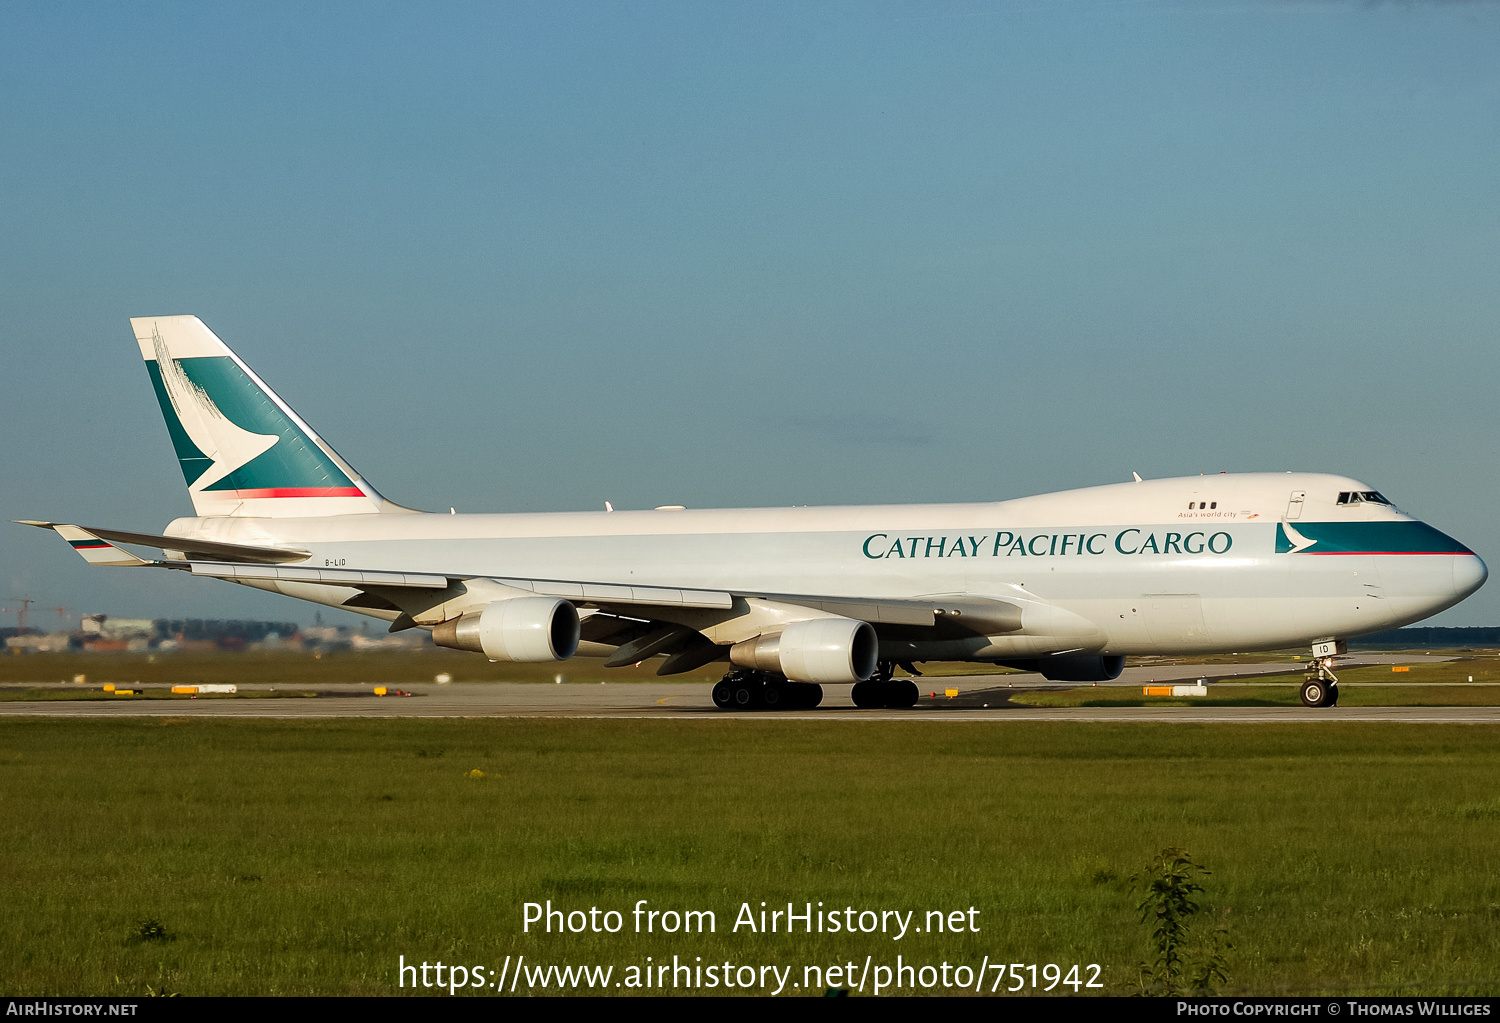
[(979, 698)]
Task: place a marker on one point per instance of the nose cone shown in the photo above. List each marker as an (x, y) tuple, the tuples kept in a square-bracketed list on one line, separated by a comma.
[(1469, 573)]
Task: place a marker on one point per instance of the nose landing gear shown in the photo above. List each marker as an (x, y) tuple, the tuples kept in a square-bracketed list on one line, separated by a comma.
[(1322, 686)]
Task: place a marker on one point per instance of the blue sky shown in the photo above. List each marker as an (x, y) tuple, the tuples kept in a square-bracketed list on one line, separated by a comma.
[(539, 256)]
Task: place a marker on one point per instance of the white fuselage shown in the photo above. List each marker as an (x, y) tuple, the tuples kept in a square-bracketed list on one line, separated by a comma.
[(1132, 567)]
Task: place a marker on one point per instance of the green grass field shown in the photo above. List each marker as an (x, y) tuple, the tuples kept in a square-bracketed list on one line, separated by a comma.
[(305, 857), (1286, 695), (1430, 684)]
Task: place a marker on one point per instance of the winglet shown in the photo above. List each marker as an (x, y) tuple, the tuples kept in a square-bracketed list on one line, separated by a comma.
[(93, 549)]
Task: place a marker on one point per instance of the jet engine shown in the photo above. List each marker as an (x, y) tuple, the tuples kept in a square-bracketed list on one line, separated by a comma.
[(1077, 668), (820, 650), (515, 629)]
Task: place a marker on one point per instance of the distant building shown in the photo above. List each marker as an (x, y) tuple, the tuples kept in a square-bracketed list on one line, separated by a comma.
[(413, 639), (230, 633), (38, 643), (101, 633), (343, 637), (105, 627)]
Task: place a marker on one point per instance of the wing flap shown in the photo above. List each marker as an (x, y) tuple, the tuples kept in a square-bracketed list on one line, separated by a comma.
[(984, 614), (328, 576), (611, 593), (600, 593), (876, 612)]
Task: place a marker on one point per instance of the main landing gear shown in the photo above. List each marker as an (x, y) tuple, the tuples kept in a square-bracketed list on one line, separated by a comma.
[(882, 690), (1322, 686), (744, 689)]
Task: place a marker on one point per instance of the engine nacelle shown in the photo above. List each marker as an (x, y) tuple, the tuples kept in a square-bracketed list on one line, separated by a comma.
[(517, 629), (1077, 668), (820, 650)]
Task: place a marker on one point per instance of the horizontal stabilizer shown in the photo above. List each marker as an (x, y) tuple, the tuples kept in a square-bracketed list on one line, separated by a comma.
[(91, 547), (91, 539)]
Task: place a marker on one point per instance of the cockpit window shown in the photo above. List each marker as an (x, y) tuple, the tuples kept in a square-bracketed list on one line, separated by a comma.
[(1362, 497)]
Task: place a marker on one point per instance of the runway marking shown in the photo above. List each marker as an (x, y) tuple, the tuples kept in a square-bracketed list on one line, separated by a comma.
[(680, 701), (1154, 715)]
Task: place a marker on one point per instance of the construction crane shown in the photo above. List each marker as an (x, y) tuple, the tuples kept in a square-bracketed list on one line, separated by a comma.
[(20, 613)]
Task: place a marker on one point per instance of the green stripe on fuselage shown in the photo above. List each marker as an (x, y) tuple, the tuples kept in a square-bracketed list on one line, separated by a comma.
[(1370, 538)]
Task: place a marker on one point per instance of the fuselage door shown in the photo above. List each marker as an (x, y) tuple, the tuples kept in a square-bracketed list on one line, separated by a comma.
[(1294, 506), (1174, 621)]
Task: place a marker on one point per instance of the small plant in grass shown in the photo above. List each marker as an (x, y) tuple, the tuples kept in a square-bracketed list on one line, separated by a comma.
[(151, 929), (1169, 889), (1097, 871)]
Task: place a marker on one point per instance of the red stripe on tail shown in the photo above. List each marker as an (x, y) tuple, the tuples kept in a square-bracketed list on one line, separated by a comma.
[(263, 492)]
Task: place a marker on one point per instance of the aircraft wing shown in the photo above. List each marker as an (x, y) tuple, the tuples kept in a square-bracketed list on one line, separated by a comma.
[(637, 621), (625, 624), (997, 614), (240, 561)]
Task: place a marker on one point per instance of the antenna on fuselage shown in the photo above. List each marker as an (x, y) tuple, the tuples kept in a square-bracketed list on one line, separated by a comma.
[(1136, 475)]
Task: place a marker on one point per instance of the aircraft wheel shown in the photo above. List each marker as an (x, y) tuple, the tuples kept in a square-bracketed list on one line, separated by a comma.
[(803, 695), (1332, 697), (1314, 693), (774, 697), (723, 695), (745, 696), (868, 694), (902, 693)]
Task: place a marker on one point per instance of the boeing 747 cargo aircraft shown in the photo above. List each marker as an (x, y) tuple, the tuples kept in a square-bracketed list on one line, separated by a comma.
[(1064, 584)]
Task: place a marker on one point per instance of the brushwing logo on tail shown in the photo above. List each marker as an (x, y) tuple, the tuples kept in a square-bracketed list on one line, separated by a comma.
[(229, 446), (234, 439)]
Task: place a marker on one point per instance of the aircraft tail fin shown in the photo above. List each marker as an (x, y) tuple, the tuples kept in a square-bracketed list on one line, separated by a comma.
[(243, 451)]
